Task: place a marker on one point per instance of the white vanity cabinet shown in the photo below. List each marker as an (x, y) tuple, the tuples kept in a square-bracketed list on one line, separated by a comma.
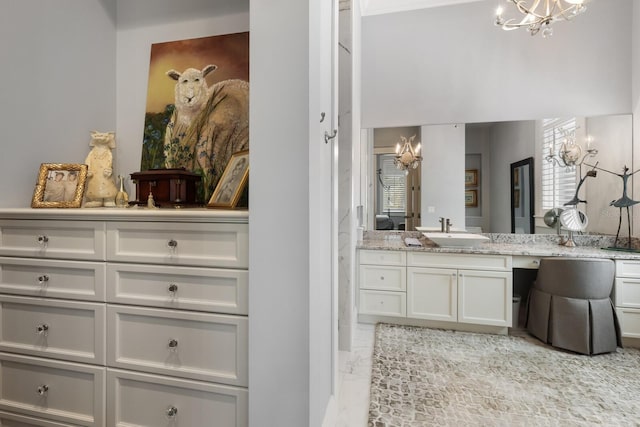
[(627, 297), (463, 288), (119, 317), (382, 283)]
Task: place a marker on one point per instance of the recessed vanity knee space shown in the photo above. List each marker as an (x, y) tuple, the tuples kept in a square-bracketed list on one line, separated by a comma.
[(123, 317), (472, 289)]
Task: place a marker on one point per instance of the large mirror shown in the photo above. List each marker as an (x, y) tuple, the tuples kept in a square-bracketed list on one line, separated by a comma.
[(490, 149)]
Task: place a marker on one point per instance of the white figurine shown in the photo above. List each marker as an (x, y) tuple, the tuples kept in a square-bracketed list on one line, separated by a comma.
[(101, 189)]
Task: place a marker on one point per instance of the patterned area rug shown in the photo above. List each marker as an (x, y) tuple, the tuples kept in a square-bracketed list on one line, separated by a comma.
[(422, 377)]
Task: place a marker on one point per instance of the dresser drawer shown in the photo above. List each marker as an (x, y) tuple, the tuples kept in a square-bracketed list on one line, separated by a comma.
[(627, 268), (629, 321), (208, 347), (68, 330), (152, 400), (383, 303), (190, 288), (380, 257), (52, 278), (627, 292), (83, 240), (8, 419), (197, 244), (383, 277), (66, 392)]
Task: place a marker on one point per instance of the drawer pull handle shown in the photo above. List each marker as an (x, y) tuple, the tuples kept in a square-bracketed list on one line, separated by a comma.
[(43, 389), (172, 244), (536, 262), (42, 329), (173, 288), (172, 411), (173, 343), (381, 277), (43, 279), (43, 239)]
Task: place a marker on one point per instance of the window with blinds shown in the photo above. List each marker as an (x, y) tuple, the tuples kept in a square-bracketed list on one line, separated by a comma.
[(558, 182), (394, 182)]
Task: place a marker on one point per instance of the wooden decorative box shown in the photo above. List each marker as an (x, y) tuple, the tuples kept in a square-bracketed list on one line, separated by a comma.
[(170, 187)]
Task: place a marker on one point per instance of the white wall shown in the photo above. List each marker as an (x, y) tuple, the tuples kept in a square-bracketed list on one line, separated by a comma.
[(450, 64), (443, 174), (58, 84)]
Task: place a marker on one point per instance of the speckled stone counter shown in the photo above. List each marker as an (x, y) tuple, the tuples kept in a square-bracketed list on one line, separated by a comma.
[(542, 245)]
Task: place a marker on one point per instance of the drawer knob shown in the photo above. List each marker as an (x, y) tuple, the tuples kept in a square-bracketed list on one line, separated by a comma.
[(173, 288), (173, 343), (381, 277), (43, 279), (43, 239), (172, 411), (172, 244), (42, 329), (43, 389), (536, 262)]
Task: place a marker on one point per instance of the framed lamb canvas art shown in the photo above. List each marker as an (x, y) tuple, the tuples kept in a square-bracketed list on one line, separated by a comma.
[(197, 112)]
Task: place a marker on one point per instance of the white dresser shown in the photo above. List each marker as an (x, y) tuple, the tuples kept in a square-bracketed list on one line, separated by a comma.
[(123, 317)]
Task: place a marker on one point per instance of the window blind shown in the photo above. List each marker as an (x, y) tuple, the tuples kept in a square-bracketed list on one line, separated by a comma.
[(558, 182), (394, 193)]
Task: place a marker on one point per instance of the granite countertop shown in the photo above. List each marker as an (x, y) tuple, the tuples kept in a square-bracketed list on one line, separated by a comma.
[(589, 246)]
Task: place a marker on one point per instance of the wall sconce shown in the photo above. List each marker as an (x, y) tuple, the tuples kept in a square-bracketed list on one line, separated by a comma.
[(571, 153), (407, 157)]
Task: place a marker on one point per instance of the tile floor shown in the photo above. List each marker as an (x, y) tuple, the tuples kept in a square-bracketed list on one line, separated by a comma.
[(355, 378)]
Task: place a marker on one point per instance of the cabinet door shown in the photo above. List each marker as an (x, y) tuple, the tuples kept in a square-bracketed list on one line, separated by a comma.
[(627, 292), (485, 297), (432, 293)]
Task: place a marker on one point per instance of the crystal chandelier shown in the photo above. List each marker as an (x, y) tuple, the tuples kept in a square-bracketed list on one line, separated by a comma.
[(540, 14), (407, 157)]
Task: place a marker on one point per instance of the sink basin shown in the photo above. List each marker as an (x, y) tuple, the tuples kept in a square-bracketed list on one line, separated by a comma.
[(456, 240), (437, 229)]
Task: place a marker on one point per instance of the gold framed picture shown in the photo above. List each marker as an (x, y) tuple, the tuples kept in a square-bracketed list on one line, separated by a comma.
[(470, 177), (233, 180), (59, 185), (471, 198)]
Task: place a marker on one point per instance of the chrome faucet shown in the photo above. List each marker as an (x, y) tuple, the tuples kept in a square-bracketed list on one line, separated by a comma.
[(442, 224), (445, 225), (448, 226)]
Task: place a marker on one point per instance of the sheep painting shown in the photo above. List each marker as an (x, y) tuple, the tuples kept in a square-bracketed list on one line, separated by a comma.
[(208, 124)]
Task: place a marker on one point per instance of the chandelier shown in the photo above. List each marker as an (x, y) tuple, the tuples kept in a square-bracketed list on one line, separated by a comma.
[(407, 157), (571, 153), (539, 14)]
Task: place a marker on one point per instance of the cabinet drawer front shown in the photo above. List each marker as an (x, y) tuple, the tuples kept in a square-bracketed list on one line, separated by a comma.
[(629, 322), (627, 292), (198, 244), (383, 278), (528, 262), (383, 303), (146, 400), (7, 419), (52, 328), (628, 268), (208, 347), (74, 393), (462, 261), (203, 289), (52, 278), (377, 257), (82, 240)]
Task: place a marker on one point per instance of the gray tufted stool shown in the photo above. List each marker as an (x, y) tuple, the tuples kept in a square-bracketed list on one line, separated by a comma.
[(569, 305)]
